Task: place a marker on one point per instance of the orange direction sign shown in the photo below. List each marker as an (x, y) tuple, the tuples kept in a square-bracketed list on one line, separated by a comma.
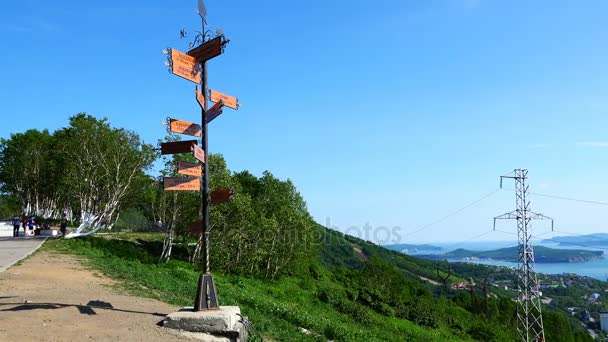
[(210, 49), (229, 101), (184, 127), (185, 66), (177, 147), (221, 195), (199, 153), (214, 112), (200, 98), (189, 169), (182, 184)]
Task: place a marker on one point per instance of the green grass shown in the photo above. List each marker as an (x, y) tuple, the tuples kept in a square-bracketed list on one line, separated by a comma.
[(277, 309)]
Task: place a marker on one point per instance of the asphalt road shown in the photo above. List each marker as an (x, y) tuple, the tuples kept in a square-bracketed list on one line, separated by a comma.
[(14, 249)]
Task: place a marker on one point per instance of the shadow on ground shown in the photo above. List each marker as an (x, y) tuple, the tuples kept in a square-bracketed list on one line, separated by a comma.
[(87, 309)]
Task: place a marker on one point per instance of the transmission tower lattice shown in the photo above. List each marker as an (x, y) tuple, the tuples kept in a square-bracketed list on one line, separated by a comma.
[(529, 317)]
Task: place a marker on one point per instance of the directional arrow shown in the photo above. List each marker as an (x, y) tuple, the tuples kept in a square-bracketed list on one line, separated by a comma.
[(214, 112), (184, 127), (200, 98), (176, 147), (208, 50), (221, 195), (189, 169), (229, 101), (182, 183), (185, 66), (198, 153)]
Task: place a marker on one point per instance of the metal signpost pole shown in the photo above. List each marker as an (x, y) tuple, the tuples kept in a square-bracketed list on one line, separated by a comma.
[(206, 296), (205, 189)]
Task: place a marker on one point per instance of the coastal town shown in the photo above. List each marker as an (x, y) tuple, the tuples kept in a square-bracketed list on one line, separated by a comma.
[(582, 298)]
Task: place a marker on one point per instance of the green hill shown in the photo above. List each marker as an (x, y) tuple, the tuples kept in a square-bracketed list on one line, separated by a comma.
[(541, 254), (355, 291)]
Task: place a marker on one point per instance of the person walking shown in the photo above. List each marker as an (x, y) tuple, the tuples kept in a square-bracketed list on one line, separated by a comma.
[(31, 222), (24, 222), (16, 226), (63, 228)]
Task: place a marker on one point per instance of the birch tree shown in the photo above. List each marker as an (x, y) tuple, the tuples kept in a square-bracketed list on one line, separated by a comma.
[(103, 163), (174, 211), (30, 172)]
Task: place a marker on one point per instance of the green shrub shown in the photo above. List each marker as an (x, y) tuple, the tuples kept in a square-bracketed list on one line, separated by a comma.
[(421, 312)]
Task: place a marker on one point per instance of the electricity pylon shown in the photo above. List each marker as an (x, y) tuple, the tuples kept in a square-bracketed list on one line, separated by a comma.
[(529, 317)]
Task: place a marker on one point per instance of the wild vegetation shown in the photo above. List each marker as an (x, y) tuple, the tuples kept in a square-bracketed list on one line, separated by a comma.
[(83, 172), (294, 279)]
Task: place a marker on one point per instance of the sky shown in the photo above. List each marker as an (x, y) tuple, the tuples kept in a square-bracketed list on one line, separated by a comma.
[(387, 115)]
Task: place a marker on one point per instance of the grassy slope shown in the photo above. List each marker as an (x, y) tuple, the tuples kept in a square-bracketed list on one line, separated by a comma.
[(277, 309), (341, 250)]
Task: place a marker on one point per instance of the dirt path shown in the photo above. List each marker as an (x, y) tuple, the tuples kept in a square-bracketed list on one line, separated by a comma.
[(52, 297)]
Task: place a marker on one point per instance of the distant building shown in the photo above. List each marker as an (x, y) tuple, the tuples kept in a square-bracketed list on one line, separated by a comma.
[(604, 320), (459, 285), (595, 295)]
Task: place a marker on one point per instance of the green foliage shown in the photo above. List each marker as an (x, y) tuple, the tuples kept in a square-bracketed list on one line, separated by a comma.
[(294, 279), (557, 328), (86, 168), (376, 302), (8, 207), (132, 220), (278, 309), (31, 169), (266, 230)]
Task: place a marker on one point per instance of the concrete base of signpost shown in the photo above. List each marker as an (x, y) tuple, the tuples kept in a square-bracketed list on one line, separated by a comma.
[(224, 324)]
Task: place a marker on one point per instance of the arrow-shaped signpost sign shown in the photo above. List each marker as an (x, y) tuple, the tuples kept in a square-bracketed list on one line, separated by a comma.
[(193, 67), (227, 100), (213, 112), (182, 183), (189, 169), (176, 147), (221, 195), (184, 127), (184, 66)]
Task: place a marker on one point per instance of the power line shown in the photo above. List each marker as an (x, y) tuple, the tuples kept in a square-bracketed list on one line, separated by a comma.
[(569, 199), (545, 233), (505, 232), (572, 199), (452, 213)]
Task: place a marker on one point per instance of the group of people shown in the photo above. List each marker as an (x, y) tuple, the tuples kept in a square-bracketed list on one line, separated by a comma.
[(30, 223)]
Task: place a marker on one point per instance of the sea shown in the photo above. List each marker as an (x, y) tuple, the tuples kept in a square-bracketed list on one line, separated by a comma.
[(597, 268)]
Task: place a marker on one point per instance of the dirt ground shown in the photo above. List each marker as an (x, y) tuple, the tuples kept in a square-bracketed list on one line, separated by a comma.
[(53, 297)]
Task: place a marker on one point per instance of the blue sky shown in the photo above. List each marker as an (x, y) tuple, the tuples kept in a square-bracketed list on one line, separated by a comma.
[(392, 113)]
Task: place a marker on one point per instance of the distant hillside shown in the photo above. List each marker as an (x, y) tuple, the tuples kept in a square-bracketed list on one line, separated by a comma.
[(413, 249), (541, 255), (599, 239)]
